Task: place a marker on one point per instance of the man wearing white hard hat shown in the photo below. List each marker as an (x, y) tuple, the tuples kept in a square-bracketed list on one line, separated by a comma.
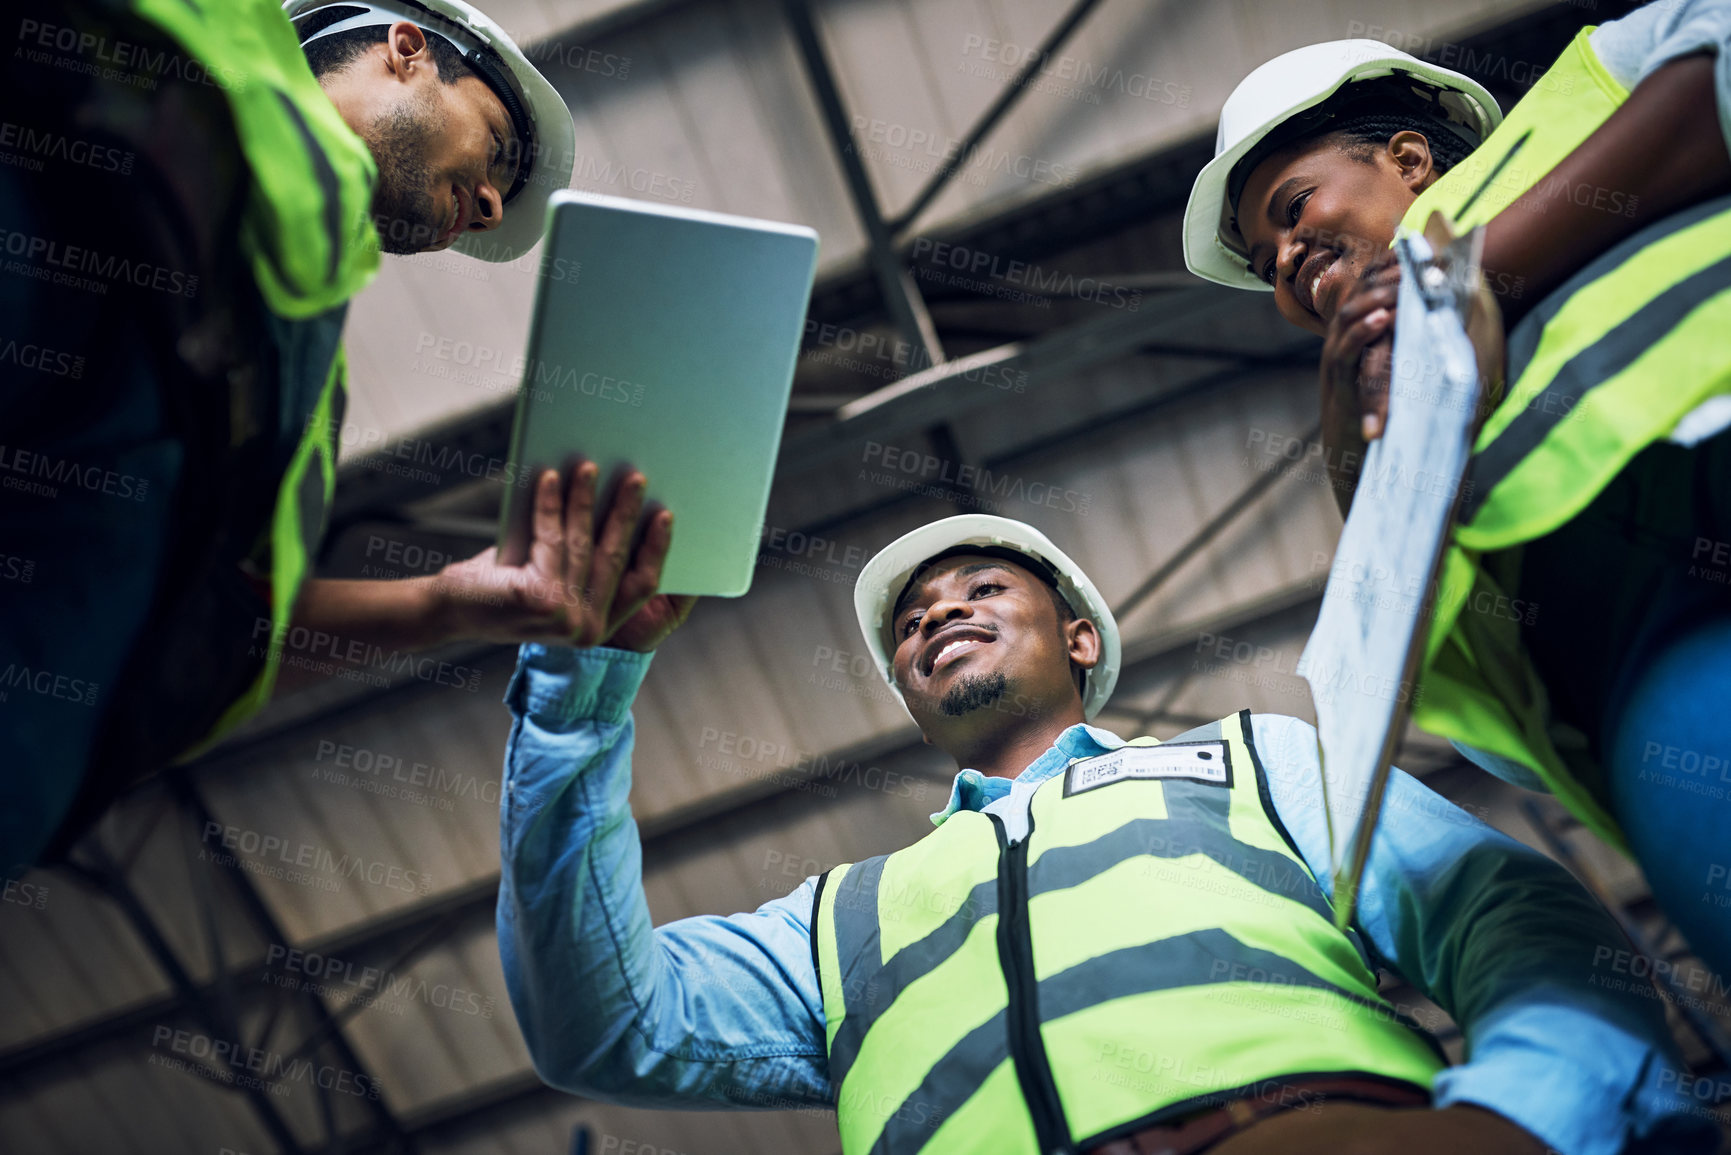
[(1600, 486), (214, 182), (461, 124), (1104, 946)]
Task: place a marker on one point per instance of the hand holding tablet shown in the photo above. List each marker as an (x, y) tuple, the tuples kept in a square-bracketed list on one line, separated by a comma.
[(590, 577), (663, 341)]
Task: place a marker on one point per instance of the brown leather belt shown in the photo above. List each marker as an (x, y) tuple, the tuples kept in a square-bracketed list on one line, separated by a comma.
[(1197, 1133)]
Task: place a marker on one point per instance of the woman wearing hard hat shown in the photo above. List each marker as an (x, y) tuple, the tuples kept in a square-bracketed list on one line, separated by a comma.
[(1601, 481)]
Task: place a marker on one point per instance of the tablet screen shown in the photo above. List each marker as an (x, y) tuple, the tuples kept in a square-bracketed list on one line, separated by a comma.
[(665, 339)]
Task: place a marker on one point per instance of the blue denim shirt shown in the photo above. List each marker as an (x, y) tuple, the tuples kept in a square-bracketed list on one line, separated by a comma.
[(716, 1011)]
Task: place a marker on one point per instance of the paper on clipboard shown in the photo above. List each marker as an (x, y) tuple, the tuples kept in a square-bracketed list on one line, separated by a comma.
[(1362, 658)]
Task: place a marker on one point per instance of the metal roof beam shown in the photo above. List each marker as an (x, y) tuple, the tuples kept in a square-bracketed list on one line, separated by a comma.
[(1216, 525), (105, 877), (989, 120), (900, 294), (946, 391), (1134, 192)]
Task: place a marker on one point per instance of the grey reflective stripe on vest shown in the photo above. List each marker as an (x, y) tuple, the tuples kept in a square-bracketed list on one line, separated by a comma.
[(1056, 869), (1209, 733), (865, 1004), (328, 184), (1201, 958), (951, 1082), (1213, 732), (1491, 176), (1192, 807), (1523, 343), (1190, 803), (1598, 362), (305, 351), (856, 936), (859, 950), (310, 507)]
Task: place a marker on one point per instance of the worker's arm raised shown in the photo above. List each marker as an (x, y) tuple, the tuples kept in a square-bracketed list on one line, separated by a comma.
[(1504, 939), (703, 1011)]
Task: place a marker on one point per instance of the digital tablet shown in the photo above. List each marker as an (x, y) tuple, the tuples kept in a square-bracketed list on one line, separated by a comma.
[(665, 339)]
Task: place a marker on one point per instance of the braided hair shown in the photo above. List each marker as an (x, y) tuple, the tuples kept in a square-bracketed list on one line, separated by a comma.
[(1375, 129), (1367, 113)]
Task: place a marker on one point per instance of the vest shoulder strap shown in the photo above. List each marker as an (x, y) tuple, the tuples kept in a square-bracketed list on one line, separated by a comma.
[(1573, 97), (307, 229)]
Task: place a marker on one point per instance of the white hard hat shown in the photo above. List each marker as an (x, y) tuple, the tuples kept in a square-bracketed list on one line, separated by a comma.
[(548, 141), (1276, 95), (886, 575)]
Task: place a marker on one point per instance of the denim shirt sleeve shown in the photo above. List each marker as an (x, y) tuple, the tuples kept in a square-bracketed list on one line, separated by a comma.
[(1507, 942), (705, 1011)]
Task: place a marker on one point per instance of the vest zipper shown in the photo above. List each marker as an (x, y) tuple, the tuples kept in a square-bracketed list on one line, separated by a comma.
[(1022, 1014)]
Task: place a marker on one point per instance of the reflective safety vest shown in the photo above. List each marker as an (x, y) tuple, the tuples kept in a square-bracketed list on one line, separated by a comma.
[(307, 230), (1154, 945), (308, 237), (1603, 367)]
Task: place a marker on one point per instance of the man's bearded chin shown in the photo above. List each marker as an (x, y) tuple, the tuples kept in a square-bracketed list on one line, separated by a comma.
[(974, 692), (403, 209)]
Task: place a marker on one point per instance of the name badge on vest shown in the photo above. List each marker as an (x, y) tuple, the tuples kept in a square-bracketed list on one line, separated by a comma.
[(1209, 763)]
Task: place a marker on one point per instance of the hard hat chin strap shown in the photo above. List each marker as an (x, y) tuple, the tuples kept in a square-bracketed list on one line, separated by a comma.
[(495, 76)]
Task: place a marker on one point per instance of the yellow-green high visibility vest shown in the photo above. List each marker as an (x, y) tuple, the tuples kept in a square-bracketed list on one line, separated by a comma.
[(307, 230), (1606, 365), (308, 236), (1153, 946), (297, 526)]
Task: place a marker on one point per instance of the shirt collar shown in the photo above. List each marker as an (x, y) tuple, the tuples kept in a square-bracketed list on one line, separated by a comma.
[(975, 791)]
